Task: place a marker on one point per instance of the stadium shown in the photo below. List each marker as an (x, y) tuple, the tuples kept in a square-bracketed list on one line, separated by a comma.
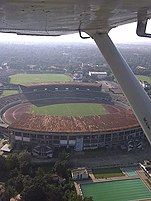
[(116, 127)]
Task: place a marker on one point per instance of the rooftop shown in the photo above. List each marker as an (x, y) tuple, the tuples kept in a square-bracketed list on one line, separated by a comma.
[(75, 124), (59, 83)]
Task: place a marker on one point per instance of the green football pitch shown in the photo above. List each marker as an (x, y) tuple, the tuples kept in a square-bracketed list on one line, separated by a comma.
[(9, 92), (122, 190), (70, 109), (144, 78), (27, 78)]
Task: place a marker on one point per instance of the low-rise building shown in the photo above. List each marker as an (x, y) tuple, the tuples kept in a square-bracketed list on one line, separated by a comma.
[(98, 75), (80, 173)]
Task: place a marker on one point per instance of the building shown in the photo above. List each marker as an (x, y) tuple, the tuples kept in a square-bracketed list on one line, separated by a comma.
[(80, 174), (42, 151), (98, 75), (77, 133)]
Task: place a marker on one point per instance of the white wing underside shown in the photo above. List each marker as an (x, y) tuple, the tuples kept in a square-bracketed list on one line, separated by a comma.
[(57, 17)]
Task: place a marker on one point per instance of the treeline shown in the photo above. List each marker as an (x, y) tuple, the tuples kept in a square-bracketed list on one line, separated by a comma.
[(51, 182), (19, 56)]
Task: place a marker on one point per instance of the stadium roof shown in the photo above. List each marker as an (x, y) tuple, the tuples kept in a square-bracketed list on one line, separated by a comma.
[(80, 124), (59, 83)]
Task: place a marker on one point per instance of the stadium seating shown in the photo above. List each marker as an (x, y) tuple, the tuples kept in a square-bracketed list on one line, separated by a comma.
[(66, 92)]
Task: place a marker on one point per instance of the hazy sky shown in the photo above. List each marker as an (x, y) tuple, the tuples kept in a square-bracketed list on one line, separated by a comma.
[(122, 34)]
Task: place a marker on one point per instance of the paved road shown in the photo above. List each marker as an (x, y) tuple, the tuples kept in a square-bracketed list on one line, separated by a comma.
[(111, 159)]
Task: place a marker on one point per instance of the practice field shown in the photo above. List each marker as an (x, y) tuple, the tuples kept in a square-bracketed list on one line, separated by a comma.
[(105, 173), (70, 109), (144, 78), (27, 78), (122, 190), (9, 92)]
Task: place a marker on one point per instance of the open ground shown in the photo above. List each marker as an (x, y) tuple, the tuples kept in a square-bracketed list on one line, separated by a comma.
[(144, 78), (70, 109), (27, 78), (8, 92)]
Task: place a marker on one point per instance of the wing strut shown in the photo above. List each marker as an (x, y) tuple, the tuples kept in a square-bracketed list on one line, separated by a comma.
[(137, 97)]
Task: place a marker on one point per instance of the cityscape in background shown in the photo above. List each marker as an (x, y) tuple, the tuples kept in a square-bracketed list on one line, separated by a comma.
[(61, 158)]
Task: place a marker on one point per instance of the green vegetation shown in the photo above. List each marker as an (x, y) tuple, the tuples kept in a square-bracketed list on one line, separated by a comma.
[(26, 78), (144, 78), (122, 190), (9, 92), (109, 172), (36, 183), (72, 109)]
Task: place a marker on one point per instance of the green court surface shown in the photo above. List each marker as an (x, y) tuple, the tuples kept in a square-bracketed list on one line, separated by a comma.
[(131, 173), (121, 190), (144, 78), (27, 78), (70, 109), (9, 92), (107, 172)]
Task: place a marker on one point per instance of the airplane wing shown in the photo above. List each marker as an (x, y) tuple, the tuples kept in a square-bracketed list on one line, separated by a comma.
[(57, 17)]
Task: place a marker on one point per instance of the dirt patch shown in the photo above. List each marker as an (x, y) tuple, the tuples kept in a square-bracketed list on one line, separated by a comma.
[(14, 113)]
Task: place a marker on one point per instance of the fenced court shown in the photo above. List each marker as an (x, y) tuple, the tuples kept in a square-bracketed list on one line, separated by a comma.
[(107, 172), (121, 190), (130, 171)]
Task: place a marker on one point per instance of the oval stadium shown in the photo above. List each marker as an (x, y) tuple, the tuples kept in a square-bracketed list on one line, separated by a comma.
[(76, 115)]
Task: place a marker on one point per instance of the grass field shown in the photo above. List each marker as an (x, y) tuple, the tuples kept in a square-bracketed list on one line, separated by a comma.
[(122, 190), (70, 109), (26, 78), (105, 173), (9, 92), (144, 78)]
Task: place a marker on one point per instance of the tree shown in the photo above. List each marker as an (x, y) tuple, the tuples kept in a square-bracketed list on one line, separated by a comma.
[(12, 161), (55, 193), (9, 192), (24, 167), (64, 156), (61, 168), (2, 164), (74, 197), (24, 162), (24, 156), (35, 192), (19, 183), (40, 172), (62, 164)]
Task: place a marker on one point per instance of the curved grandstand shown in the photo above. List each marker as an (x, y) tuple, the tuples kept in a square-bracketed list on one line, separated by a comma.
[(114, 128)]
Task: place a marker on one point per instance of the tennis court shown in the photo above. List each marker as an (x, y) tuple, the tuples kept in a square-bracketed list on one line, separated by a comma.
[(130, 171), (121, 190)]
